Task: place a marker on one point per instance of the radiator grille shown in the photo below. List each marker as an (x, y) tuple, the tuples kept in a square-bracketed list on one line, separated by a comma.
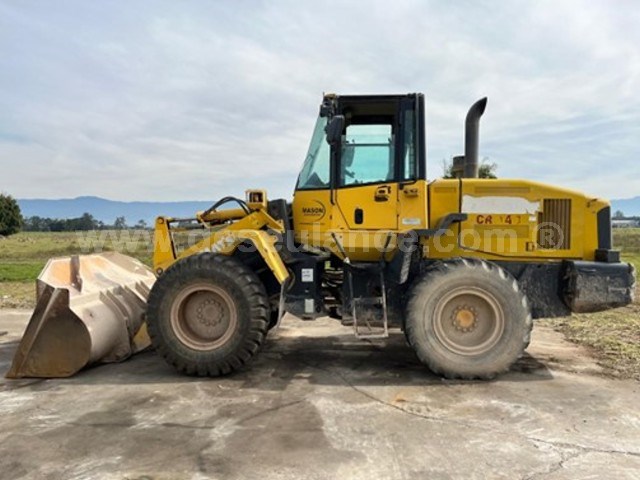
[(554, 224)]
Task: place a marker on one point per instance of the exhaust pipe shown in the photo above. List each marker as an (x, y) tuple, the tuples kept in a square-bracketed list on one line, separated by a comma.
[(472, 127)]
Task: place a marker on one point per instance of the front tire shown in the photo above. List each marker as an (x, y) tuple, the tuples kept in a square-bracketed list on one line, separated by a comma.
[(468, 319), (207, 315)]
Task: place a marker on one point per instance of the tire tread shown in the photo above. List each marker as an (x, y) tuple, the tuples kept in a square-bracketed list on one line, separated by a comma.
[(432, 275), (244, 279)]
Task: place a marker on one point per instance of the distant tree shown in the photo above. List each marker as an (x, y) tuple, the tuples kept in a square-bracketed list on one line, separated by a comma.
[(87, 222), (485, 170), (141, 225), (120, 223), (11, 220), (83, 223), (447, 168), (36, 224), (58, 225), (618, 214)]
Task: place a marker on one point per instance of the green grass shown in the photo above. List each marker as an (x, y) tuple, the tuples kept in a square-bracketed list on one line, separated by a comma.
[(20, 271), (37, 247), (31, 246), (612, 336), (627, 239), (633, 258), (24, 255), (17, 294)]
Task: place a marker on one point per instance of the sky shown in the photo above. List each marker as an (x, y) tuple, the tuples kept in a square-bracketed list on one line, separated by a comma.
[(194, 100)]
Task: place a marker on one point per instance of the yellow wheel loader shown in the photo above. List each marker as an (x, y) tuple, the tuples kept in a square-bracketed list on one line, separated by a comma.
[(462, 266)]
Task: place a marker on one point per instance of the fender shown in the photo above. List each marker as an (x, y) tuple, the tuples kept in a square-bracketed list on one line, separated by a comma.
[(224, 241)]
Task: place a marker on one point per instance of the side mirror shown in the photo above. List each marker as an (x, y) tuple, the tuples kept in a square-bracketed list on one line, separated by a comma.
[(334, 129)]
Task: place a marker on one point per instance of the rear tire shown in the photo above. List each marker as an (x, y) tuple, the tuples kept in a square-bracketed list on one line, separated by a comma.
[(207, 315), (468, 319)]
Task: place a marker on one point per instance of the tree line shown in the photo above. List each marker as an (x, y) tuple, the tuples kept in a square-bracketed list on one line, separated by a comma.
[(82, 223)]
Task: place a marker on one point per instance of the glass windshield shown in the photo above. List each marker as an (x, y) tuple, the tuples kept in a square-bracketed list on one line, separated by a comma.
[(315, 171)]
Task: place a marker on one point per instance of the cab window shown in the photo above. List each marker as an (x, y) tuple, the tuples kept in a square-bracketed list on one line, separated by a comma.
[(367, 155)]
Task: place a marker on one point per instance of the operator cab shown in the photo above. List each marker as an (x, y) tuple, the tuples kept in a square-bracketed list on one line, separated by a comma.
[(381, 140), (364, 151)]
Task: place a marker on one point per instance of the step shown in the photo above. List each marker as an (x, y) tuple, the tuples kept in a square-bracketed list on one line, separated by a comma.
[(367, 322)]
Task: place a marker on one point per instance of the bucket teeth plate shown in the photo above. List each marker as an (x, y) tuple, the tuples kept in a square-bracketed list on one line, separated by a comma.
[(90, 309)]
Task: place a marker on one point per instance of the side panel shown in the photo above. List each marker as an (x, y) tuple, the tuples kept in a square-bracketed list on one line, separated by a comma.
[(514, 220), (412, 206)]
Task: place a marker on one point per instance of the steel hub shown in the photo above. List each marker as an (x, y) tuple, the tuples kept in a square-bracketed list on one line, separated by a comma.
[(469, 321), (465, 318), (203, 316)]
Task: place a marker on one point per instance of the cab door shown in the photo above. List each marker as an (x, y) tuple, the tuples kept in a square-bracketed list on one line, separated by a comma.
[(367, 186)]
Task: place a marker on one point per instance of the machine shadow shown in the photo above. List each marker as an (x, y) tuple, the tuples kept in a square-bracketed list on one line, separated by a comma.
[(318, 360)]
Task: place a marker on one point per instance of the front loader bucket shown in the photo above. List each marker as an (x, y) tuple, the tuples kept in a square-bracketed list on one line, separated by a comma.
[(90, 309)]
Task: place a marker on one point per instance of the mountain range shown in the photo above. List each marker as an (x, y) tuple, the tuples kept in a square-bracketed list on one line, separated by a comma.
[(108, 210)]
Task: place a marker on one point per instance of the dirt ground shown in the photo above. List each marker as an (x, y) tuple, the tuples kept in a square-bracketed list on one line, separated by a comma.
[(317, 403)]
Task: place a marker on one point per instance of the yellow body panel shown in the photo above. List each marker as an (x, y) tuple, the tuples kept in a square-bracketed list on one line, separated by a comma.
[(387, 210), (504, 220), (507, 219)]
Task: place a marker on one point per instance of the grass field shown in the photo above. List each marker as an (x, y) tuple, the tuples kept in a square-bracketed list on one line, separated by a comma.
[(24, 255), (614, 336)]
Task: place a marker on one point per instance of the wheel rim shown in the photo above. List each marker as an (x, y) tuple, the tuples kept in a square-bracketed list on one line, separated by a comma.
[(203, 316), (469, 321)]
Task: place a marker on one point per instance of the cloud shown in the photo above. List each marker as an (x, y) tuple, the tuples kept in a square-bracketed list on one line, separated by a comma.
[(195, 100)]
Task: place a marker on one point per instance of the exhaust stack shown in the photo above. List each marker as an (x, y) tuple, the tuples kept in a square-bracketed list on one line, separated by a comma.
[(472, 127)]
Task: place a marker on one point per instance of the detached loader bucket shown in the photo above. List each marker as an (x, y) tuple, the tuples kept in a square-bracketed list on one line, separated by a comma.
[(90, 309)]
